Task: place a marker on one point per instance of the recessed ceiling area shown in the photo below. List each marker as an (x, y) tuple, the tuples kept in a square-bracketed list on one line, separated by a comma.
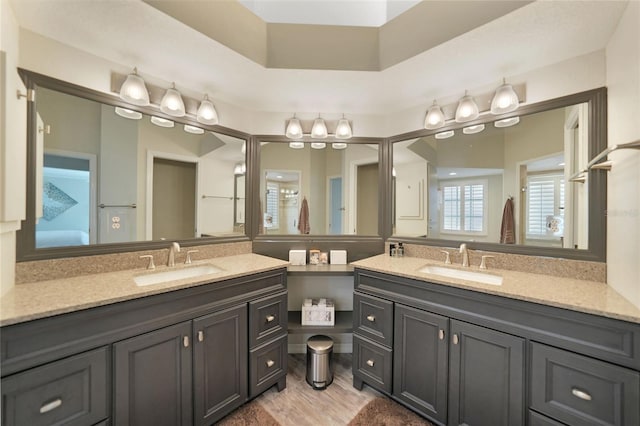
[(360, 13)]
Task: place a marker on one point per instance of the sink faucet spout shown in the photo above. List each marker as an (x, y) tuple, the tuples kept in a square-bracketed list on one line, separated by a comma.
[(465, 254), (173, 249)]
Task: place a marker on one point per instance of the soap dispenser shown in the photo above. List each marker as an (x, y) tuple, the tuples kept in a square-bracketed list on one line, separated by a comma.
[(400, 250)]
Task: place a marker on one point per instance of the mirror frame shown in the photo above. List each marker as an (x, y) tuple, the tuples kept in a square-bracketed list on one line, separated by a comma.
[(357, 246), (597, 101), (25, 237)]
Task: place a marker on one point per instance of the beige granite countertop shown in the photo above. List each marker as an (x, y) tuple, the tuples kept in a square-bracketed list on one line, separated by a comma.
[(568, 293), (29, 301)]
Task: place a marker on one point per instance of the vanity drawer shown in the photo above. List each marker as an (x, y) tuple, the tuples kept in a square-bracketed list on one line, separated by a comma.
[(267, 319), (579, 390), (372, 363), (537, 419), (373, 318), (72, 391), (267, 365)]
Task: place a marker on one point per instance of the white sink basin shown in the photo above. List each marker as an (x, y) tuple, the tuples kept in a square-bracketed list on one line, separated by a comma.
[(480, 277), (175, 274)]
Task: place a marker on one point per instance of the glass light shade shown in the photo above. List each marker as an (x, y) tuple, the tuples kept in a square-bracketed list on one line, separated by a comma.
[(319, 129), (161, 122), (294, 129), (467, 109), (207, 113), (505, 100), (134, 91), (127, 113), (339, 145), (318, 145), (296, 145), (506, 122), (343, 129), (444, 135), (470, 130), (172, 103), (434, 118), (193, 129)]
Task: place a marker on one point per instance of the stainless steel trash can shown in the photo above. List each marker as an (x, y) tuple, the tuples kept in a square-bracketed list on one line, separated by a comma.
[(319, 362)]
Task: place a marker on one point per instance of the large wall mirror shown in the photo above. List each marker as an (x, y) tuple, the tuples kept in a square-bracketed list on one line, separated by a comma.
[(319, 188), (104, 176), (506, 184)]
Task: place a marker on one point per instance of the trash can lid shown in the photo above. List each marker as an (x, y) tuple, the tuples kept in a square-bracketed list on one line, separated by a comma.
[(320, 344)]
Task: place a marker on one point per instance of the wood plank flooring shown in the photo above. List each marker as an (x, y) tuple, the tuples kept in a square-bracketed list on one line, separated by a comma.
[(300, 405)]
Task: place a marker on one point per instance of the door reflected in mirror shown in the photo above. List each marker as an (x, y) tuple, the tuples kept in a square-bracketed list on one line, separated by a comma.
[(505, 184), (108, 175), (323, 191)]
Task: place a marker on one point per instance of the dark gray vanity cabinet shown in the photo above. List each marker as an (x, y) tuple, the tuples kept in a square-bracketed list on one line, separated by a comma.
[(465, 357), (176, 358)]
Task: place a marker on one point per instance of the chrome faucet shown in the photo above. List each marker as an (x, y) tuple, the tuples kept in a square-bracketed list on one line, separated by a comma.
[(173, 249), (465, 254)]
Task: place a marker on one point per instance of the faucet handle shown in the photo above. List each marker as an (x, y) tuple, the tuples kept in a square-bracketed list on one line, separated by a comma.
[(150, 265), (187, 261), (447, 260), (483, 263)]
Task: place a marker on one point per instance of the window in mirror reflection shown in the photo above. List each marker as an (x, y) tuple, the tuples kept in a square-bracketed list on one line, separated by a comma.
[(104, 176), (339, 184), (459, 188)]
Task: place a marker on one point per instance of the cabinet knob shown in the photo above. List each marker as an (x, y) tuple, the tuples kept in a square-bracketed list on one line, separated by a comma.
[(580, 394), (270, 318), (200, 336), (270, 363), (370, 363), (455, 339), (51, 405), (185, 341), (371, 318), (441, 334)]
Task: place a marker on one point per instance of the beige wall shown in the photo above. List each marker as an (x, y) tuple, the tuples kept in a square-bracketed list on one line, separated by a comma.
[(623, 187)]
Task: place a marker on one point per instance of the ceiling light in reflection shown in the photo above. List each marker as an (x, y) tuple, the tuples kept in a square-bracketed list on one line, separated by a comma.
[(507, 122), (470, 130), (444, 135), (127, 113), (193, 129), (162, 122), (296, 145)]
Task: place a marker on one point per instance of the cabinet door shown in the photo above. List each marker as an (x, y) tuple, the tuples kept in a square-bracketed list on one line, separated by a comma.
[(220, 363), (420, 361), (153, 378), (486, 377)]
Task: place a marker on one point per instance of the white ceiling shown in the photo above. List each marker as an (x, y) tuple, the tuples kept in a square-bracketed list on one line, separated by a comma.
[(132, 33), (364, 13)]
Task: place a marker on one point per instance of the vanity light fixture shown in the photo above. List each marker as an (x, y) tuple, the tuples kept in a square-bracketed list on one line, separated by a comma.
[(318, 145), (294, 129), (467, 109), (319, 129), (162, 122), (134, 91), (296, 145), (444, 135), (127, 113), (434, 118), (507, 122), (193, 129), (505, 99), (207, 113), (339, 145), (470, 130), (172, 103), (343, 129)]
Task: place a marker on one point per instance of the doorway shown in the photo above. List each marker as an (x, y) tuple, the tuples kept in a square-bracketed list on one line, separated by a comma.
[(174, 199)]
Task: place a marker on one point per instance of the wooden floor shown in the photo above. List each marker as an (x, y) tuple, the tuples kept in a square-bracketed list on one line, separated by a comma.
[(299, 404)]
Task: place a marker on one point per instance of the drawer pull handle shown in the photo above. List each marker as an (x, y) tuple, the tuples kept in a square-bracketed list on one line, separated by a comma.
[(270, 318), (580, 394), (371, 318), (49, 406), (185, 341), (370, 363), (455, 339), (270, 364), (441, 334), (200, 336)]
